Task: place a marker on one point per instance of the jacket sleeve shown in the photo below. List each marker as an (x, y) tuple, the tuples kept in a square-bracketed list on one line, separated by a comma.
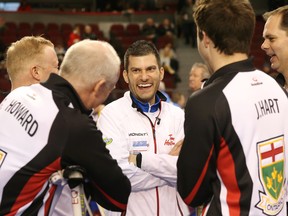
[(118, 145), (85, 147), (163, 165), (196, 164)]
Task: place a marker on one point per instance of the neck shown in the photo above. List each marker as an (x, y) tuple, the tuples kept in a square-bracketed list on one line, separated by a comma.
[(285, 86), (22, 82), (221, 60), (286, 80)]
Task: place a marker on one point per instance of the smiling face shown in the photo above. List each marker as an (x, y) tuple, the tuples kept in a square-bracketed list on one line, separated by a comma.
[(275, 44), (143, 77)]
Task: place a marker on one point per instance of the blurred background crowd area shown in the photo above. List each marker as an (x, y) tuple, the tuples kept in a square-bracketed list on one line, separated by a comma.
[(96, 5), (167, 23)]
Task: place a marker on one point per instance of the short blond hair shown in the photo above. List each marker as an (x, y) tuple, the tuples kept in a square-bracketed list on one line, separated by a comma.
[(21, 53)]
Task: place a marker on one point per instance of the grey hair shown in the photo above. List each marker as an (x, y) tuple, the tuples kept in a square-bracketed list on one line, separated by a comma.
[(88, 61), (205, 70)]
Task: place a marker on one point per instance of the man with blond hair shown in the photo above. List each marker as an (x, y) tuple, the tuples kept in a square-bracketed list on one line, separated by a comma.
[(30, 60)]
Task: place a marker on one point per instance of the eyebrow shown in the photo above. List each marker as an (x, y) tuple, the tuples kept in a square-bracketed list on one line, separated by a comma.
[(268, 35), (148, 67)]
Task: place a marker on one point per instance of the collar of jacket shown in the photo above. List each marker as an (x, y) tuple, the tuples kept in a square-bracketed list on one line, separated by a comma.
[(280, 79), (240, 66), (62, 86), (145, 107)]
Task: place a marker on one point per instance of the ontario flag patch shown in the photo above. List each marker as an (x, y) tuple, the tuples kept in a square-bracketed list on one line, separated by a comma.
[(272, 175)]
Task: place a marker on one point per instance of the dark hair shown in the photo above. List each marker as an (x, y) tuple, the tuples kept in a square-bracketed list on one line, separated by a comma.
[(228, 23), (141, 48), (281, 11)]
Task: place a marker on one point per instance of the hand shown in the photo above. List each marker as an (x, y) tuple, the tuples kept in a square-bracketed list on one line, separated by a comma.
[(132, 159), (176, 148)]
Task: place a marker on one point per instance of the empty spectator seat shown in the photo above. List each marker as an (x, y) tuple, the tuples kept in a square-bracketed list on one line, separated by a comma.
[(117, 30), (163, 40), (24, 29), (133, 29), (38, 28), (95, 27)]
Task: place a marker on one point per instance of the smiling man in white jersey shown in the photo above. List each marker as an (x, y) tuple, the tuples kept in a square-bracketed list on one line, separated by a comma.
[(141, 130)]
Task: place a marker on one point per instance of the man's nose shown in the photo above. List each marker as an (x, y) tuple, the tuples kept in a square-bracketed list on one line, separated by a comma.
[(264, 45), (144, 75)]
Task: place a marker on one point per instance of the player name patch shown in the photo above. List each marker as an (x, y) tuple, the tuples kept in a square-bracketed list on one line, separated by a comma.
[(23, 115)]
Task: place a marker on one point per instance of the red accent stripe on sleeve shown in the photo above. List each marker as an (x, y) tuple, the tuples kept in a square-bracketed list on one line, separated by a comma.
[(113, 201), (192, 194), (226, 169)]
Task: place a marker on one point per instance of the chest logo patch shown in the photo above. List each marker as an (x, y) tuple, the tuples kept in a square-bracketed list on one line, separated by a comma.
[(170, 141), (272, 176), (107, 141)]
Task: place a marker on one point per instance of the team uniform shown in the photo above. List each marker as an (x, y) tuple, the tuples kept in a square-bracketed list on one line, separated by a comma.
[(45, 128), (131, 127), (233, 158)]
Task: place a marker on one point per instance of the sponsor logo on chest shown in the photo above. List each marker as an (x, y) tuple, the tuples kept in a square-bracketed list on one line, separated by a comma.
[(138, 142)]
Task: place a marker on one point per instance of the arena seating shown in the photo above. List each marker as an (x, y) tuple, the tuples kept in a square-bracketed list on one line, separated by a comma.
[(122, 35)]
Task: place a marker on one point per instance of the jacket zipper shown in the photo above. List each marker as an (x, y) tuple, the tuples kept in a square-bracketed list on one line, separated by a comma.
[(155, 151)]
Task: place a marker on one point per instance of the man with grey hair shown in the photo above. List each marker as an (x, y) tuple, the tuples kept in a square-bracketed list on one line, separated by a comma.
[(198, 73), (275, 36), (64, 135)]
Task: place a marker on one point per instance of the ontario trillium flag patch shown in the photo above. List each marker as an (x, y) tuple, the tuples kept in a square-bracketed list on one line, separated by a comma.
[(272, 175)]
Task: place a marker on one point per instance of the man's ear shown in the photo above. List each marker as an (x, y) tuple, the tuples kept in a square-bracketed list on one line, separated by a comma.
[(206, 40), (162, 71), (125, 76), (35, 73), (99, 87)]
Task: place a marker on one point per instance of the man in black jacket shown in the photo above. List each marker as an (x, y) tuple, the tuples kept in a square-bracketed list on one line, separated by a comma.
[(233, 161)]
